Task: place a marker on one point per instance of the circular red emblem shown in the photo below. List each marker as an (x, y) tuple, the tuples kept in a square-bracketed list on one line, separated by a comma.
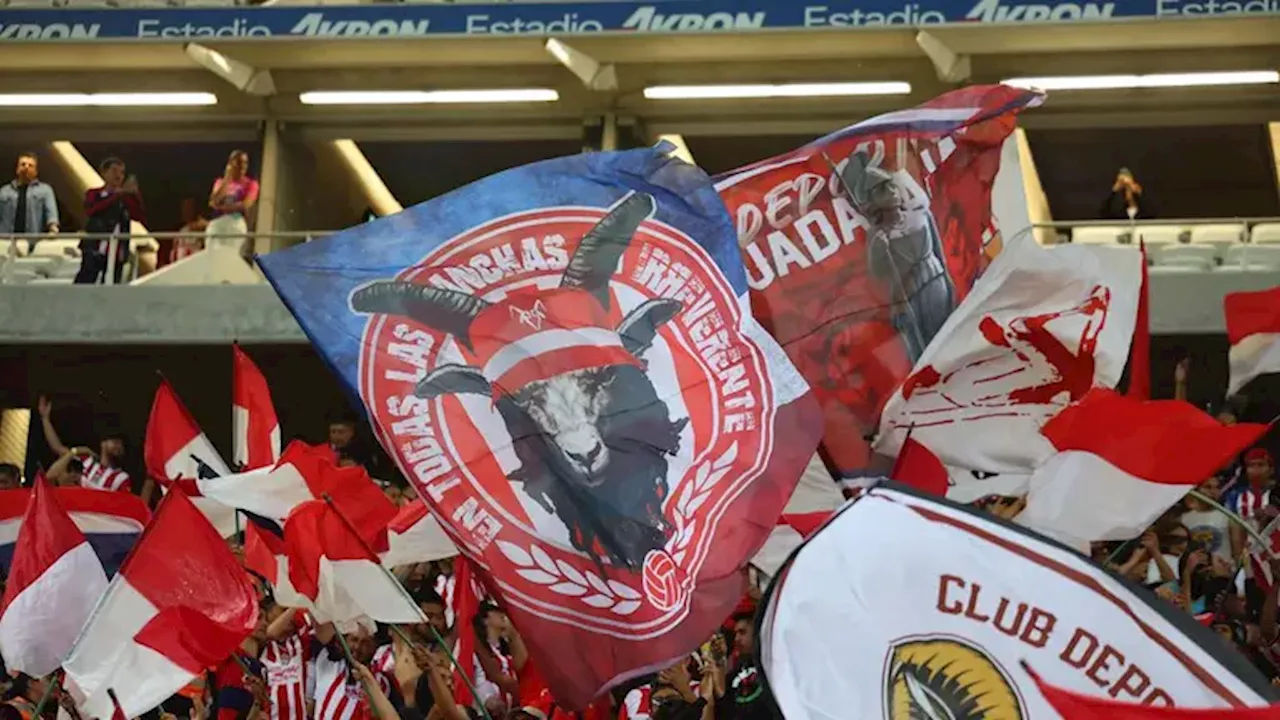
[(579, 412)]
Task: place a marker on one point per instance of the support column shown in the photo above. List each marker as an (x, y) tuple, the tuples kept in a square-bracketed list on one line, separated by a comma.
[(268, 220), (1037, 201), (609, 132), (1273, 132), (376, 192)]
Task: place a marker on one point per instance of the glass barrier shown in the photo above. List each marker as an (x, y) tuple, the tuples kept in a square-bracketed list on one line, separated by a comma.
[(1177, 245)]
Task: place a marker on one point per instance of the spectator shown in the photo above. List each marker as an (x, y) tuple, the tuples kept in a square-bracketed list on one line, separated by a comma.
[(342, 431), (111, 210), (1127, 200), (10, 476), (233, 195), (192, 239), (746, 697), (500, 654), (103, 472), (1207, 526), (20, 701), (1253, 501), (26, 204)]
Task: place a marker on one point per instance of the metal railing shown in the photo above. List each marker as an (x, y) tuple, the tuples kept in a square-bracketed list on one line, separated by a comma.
[(56, 257)]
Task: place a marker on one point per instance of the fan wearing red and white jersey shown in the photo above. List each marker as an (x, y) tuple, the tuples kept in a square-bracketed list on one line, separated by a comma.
[(338, 693), (285, 658), (79, 466)]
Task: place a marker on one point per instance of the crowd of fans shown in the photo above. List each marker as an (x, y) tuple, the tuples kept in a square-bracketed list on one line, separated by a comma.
[(293, 669)]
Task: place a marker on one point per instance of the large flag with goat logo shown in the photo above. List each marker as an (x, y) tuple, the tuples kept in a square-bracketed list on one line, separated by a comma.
[(858, 245), (563, 361), (1041, 328), (177, 449), (943, 624)]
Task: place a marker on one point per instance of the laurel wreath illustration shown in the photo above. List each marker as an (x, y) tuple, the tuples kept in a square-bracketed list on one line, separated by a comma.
[(536, 566)]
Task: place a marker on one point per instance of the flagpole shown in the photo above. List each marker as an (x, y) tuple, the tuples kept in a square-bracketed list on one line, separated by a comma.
[(52, 685), (422, 618), (1233, 517), (1244, 524), (351, 663)]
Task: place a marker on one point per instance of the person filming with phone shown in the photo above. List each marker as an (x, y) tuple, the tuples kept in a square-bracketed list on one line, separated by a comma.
[(111, 210)]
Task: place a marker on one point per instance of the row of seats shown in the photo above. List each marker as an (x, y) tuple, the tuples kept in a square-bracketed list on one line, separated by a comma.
[(1216, 234), (51, 262)]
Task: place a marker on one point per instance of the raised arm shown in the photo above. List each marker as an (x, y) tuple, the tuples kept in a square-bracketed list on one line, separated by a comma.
[(45, 407)]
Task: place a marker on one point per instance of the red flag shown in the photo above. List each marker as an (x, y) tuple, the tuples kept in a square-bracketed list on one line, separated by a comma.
[(53, 583), (180, 600), (1253, 328), (1142, 456), (466, 603), (818, 285), (255, 431), (1074, 706), (333, 567), (1140, 351), (176, 450), (918, 467)]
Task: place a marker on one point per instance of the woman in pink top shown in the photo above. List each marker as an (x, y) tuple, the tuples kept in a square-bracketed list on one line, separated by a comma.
[(233, 195)]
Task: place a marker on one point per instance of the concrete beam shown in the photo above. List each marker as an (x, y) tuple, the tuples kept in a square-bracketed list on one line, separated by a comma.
[(155, 314), (379, 196)]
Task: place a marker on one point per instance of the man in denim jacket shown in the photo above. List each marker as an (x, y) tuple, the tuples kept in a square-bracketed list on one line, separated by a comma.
[(26, 204)]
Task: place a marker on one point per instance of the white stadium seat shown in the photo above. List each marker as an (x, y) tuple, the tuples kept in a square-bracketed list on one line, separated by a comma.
[(1183, 254), (59, 248), (1097, 235), (1154, 235), (1252, 256), (1176, 269), (1218, 234), (1266, 233)]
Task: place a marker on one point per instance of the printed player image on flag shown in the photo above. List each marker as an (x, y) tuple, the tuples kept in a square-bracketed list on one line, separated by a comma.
[(859, 245), (563, 361), (944, 622)]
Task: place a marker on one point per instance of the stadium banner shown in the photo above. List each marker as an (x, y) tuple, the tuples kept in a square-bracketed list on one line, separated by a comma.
[(947, 624), (577, 18), (562, 360), (860, 244)]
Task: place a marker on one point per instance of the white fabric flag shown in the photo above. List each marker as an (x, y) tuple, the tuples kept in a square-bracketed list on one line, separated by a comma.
[(1041, 327), (1253, 327), (938, 624)]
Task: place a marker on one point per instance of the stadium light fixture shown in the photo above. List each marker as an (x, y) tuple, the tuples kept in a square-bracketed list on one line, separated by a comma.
[(789, 90), (155, 99), (1159, 80), (425, 97)]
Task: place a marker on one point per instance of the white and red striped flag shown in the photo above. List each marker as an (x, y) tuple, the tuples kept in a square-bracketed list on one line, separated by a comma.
[(337, 570), (255, 431), (303, 474), (1253, 327), (177, 449), (52, 586), (180, 604), (1122, 462)]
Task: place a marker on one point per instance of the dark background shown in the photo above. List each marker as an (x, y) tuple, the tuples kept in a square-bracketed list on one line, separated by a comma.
[(96, 388)]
